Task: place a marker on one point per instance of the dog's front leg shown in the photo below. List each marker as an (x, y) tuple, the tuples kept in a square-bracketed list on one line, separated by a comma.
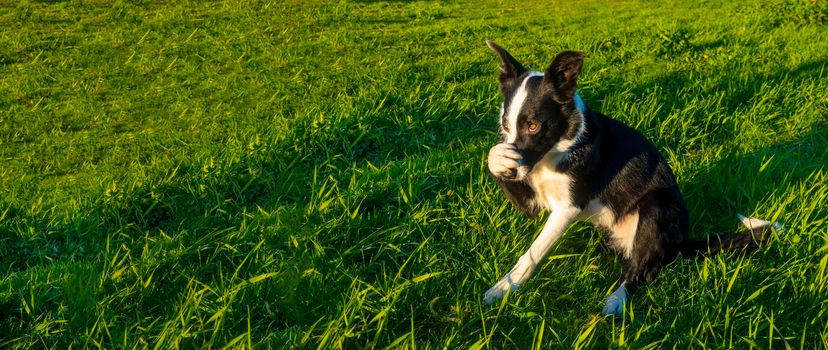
[(555, 226)]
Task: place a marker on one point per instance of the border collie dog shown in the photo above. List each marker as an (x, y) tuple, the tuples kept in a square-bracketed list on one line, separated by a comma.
[(578, 164)]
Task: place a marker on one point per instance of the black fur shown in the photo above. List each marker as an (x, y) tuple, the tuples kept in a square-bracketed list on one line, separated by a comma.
[(610, 162), (521, 195)]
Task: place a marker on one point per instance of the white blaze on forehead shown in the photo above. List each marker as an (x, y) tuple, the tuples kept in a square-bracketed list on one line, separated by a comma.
[(514, 108)]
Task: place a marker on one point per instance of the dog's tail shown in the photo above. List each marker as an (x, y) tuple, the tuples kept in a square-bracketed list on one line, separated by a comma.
[(756, 233)]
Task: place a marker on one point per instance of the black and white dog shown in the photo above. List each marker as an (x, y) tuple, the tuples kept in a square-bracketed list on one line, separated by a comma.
[(557, 154)]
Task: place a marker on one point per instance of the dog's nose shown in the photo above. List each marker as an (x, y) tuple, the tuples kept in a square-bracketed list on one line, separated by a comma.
[(522, 160)]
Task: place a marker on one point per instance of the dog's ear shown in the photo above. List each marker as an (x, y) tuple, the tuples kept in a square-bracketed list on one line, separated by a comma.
[(562, 74), (510, 68)]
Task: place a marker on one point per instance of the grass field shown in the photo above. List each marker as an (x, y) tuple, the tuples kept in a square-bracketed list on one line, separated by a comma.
[(312, 174)]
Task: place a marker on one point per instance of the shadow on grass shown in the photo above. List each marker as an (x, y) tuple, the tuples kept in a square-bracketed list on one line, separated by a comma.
[(275, 193), (177, 233)]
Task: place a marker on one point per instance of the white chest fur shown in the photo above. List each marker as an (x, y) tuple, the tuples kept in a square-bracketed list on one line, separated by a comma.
[(553, 189)]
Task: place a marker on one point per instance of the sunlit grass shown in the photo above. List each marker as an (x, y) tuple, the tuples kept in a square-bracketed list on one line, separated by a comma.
[(311, 174)]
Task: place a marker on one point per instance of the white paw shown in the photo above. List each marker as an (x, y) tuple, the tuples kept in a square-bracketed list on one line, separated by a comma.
[(614, 305), (519, 274), (503, 159), (499, 290)]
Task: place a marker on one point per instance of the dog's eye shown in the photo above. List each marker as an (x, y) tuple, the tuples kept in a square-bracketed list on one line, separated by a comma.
[(532, 126)]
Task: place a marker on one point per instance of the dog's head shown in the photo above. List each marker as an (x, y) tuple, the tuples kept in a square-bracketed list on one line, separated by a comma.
[(539, 112)]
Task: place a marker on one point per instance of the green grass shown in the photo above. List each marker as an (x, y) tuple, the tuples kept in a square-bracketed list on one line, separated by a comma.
[(311, 174)]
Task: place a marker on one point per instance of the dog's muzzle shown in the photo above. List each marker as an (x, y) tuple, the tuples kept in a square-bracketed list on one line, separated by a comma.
[(523, 168)]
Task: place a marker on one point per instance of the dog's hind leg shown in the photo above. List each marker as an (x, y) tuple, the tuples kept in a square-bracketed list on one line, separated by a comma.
[(644, 264), (555, 226), (660, 223)]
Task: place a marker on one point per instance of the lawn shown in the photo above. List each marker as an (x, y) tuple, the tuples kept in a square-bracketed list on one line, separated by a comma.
[(311, 174)]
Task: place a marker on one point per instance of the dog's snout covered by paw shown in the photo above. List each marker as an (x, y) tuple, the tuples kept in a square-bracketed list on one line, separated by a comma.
[(505, 160)]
